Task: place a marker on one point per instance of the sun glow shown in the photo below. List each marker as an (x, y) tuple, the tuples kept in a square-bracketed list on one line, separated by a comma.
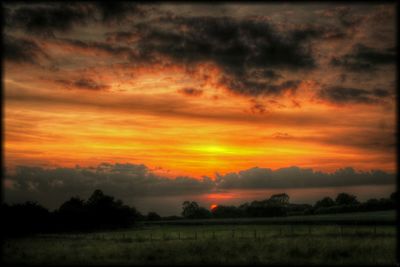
[(148, 118)]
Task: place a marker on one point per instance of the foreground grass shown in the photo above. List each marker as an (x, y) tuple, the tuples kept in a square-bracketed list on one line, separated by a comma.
[(210, 245)]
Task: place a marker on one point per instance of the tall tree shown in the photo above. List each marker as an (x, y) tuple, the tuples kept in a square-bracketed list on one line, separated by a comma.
[(192, 210), (279, 199), (326, 202), (346, 199)]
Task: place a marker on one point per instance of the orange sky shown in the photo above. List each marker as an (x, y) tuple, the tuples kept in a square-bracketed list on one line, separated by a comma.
[(164, 103), (83, 93), (146, 119)]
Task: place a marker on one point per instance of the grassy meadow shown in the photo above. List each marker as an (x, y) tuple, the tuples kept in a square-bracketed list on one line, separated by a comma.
[(211, 244)]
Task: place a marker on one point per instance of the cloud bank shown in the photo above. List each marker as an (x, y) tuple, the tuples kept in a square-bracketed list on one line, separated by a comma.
[(254, 53), (136, 181)]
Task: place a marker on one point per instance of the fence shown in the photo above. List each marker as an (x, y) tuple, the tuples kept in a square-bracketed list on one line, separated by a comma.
[(286, 231)]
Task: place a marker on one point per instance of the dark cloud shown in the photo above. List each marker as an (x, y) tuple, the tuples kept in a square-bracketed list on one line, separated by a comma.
[(342, 95), (307, 33), (90, 84), (135, 181), (346, 22), (259, 87), (251, 53), (380, 93), (383, 15), (265, 74), (245, 50), (364, 58), (191, 91), (121, 180), (6, 16), (348, 18), (238, 47), (111, 49), (233, 44), (47, 19), (270, 74), (83, 83), (118, 11), (334, 33), (22, 50), (122, 36), (295, 177)]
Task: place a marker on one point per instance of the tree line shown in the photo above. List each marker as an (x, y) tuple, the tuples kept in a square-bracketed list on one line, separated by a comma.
[(101, 211), (278, 205)]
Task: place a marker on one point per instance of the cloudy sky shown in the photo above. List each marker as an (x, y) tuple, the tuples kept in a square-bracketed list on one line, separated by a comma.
[(224, 103)]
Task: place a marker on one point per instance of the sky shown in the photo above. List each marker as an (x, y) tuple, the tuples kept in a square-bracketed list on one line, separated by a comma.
[(218, 103)]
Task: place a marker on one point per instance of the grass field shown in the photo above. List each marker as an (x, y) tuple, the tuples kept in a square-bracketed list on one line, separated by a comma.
[(211, 244)]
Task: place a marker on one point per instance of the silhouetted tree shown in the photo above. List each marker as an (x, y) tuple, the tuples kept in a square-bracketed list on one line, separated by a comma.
[(73, 215), (189, 208), (25, 218), (372, 202), (279, 199), (346, 199), (298, 209), (192, 210), (153, 216), (226, 212), (394, 196), (265, 209), (386, 203), (101, 211), (104, 211), (326, 202), (74, 205)]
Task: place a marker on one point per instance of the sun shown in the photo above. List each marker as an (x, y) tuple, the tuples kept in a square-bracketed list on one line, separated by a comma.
[(213, 207)]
